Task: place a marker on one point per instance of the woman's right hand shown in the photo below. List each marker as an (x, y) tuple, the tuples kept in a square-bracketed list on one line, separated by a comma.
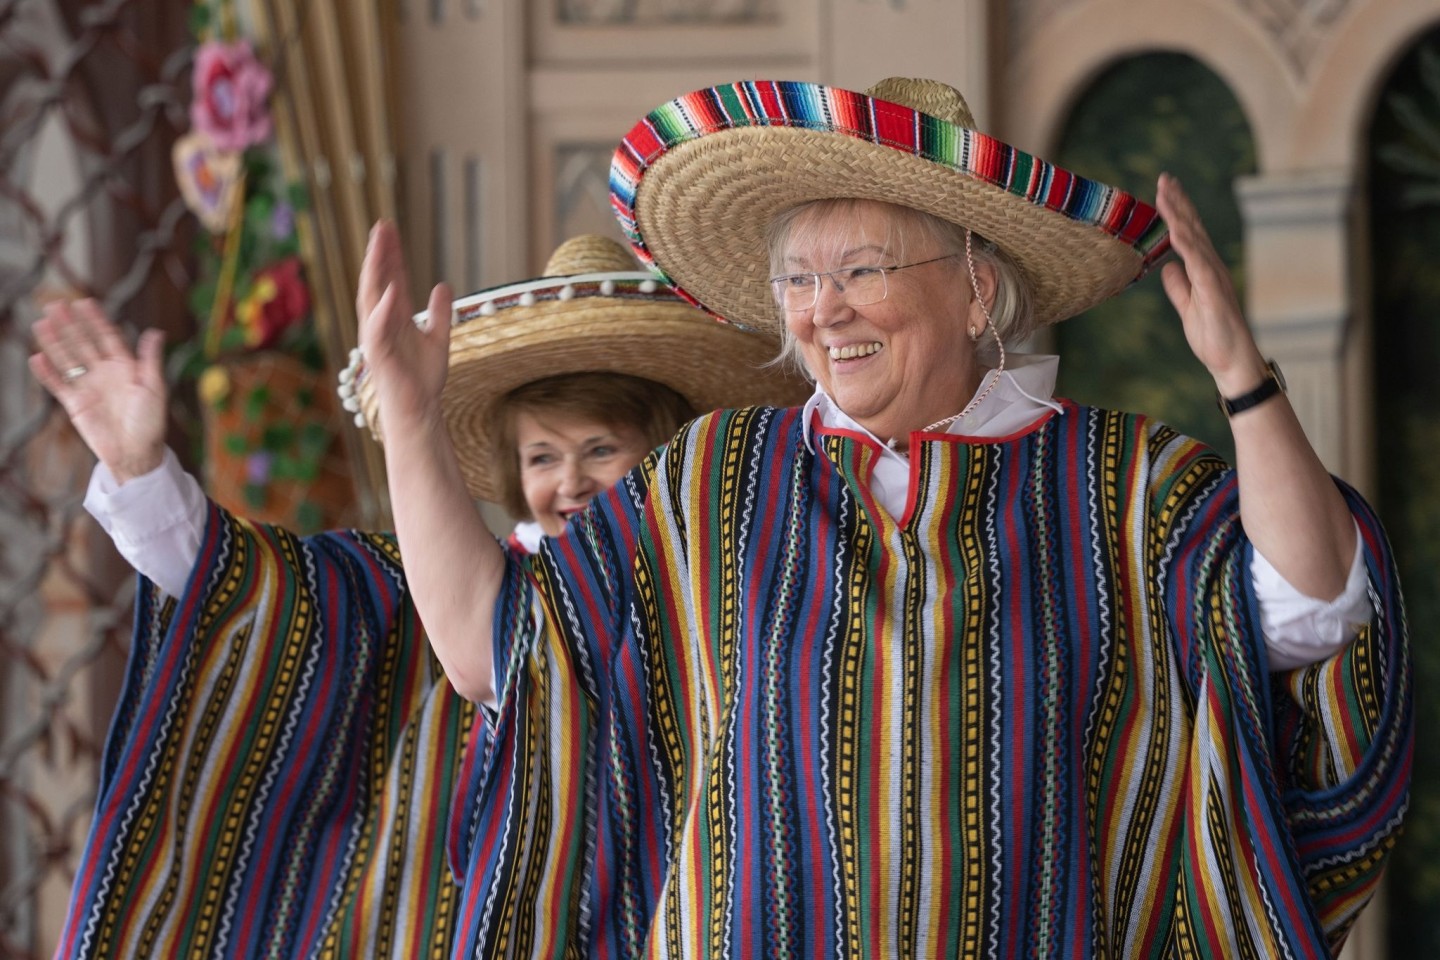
[(453, 564), (115, 398), (408, 363)]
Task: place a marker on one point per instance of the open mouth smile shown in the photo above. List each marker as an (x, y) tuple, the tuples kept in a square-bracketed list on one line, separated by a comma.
[(854, 351)]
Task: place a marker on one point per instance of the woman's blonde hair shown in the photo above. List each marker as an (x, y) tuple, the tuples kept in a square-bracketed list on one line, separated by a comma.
[(1011, 312), (611, 399)]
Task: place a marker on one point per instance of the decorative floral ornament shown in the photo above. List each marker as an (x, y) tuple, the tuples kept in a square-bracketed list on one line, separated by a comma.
[(209, 179), (277, 300), (258, 467), (214, 385), (282, 221), (230, 90)]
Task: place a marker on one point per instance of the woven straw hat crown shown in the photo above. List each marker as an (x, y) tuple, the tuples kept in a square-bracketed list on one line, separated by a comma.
[(928, 96), (588, 253)]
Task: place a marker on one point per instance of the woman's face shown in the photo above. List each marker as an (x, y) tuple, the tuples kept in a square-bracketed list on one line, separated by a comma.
[(900, 364), (564, 464)]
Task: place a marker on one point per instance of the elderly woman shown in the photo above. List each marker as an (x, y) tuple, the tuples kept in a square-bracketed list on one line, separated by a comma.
[(310, 749), (937, 663)]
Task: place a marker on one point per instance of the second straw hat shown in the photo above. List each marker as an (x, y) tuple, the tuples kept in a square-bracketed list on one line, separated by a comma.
[(593, 311)]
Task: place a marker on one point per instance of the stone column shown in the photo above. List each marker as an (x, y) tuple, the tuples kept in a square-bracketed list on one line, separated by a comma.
[(1300, 293)]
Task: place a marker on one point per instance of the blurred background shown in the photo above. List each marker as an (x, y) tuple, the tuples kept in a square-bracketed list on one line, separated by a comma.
[(212, 169)]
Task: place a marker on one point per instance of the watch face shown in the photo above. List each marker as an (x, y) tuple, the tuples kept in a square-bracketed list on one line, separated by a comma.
[(1275, 372)]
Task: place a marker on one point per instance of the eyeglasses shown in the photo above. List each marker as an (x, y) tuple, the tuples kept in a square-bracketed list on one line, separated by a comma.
[(858, 286)]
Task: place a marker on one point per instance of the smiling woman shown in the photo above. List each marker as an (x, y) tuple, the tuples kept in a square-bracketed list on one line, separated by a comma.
[(938, 663), (576, 435), (592, 347), (563, 466)]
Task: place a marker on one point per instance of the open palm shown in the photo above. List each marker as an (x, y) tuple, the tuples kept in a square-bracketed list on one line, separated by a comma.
[(408, 363), (116, 398), (1199, 286)]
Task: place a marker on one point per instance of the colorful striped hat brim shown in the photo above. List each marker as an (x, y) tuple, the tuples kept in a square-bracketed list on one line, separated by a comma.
[(696, 183)]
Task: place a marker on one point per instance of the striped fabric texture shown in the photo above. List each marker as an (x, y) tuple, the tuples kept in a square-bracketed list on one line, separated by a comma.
[(746, 712), (278, 776), (799, 105)]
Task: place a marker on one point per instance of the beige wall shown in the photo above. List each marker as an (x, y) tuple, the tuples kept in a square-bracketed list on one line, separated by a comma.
[(510, 111)]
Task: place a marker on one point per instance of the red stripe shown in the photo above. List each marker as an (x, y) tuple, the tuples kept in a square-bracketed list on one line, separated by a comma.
[(895, 126), (643, 143)]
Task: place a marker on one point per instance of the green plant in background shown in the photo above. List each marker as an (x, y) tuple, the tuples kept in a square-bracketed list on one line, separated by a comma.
[(1404, 240), (1146, 115), (1413, 156), (258, 349)]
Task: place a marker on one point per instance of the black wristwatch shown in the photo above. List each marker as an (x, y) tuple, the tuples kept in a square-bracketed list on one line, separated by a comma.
[(1274, 383)]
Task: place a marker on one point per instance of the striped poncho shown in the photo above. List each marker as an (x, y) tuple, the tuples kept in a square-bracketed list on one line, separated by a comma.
[(746, 712), (278, 776)]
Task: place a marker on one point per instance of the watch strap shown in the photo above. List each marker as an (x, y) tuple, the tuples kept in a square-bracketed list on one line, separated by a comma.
[(1274, 383)]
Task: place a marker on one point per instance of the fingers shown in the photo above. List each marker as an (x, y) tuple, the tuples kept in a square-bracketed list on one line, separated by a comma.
[(369, 289), (97, 330), (1177, 286), (1189, 238), (46, 373), (150, 351), (78, 334), (441, 312), (55, 337), (375, 325), (383, 267), (1179, 213), (1188, 235)]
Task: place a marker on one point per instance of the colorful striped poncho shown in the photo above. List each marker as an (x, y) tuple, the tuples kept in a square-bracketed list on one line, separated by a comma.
[(278, 775), (746, 712)]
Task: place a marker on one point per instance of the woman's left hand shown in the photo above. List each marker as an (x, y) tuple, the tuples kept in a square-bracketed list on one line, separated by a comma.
[(1291, 509), (1200, 287)]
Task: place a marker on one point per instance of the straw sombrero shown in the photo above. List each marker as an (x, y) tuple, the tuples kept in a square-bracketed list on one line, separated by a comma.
[(696, 183), (592, 312)]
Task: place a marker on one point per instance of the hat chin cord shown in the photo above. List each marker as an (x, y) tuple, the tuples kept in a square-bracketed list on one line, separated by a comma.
[(975, 335)]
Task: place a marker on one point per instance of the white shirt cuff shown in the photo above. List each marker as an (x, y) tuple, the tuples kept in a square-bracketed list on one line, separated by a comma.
[(156, 520), (1301, 630)]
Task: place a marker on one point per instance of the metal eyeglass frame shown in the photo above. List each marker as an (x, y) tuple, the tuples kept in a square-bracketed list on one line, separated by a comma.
[(816, 282)]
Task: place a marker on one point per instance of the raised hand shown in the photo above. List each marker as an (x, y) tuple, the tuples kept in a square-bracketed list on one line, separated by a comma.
[(115, 398), (1200, 287), (408, 363)]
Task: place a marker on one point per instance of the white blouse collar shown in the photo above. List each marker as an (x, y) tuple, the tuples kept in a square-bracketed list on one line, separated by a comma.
[(1025, 393)]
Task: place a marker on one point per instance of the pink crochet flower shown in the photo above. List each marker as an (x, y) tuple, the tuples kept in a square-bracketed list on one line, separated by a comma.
[(230, 91)]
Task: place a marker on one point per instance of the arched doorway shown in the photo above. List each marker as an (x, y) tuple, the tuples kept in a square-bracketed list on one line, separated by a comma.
[(1404, 196)]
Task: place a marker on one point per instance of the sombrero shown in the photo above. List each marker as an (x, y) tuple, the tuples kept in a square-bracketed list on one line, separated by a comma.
[(697, 181), (592, 312)]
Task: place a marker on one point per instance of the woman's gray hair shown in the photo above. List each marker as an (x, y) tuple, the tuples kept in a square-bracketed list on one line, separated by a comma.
[(1011, 313)]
